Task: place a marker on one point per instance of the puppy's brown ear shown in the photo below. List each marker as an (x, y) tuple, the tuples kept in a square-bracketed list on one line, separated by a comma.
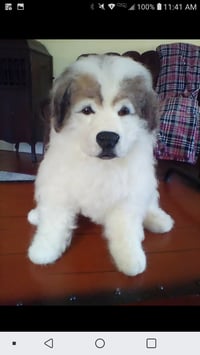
[(60, 100), (150, 109)]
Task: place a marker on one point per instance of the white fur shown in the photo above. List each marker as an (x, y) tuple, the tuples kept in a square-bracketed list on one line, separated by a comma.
[(120, 193)]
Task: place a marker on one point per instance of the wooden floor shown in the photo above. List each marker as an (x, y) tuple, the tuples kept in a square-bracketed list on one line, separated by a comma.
[(85, 274)]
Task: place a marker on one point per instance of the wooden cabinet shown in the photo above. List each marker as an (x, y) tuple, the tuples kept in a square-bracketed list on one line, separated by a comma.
[(26, 75)]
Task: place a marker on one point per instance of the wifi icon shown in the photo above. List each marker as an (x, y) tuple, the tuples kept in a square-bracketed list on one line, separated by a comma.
[(111, 6)]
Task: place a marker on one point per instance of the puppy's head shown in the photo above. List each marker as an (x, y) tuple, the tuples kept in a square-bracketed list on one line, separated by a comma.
[(108, 94)]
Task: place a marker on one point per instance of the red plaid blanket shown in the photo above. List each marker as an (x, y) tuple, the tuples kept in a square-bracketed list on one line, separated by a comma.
[(178, 86)]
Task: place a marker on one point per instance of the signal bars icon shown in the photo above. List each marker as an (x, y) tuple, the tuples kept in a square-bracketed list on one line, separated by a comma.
[(132, 8)]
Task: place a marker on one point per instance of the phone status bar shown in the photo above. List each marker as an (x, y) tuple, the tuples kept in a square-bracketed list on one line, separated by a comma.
[(143, 7)]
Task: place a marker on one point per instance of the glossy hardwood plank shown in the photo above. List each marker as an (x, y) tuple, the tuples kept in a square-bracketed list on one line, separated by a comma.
[(167, 273), (17, 233)]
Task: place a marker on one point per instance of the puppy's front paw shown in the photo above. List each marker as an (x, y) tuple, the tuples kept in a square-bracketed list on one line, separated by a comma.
[(42, 252), (134, 264), (131, 262)]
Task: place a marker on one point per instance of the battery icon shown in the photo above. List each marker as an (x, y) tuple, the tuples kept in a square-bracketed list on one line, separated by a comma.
[(159, 6)]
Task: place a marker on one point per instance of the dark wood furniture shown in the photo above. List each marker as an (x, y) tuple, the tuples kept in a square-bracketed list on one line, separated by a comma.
[(25, 80)]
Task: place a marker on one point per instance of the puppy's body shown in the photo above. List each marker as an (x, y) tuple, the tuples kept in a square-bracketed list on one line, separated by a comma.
[(100, 161)]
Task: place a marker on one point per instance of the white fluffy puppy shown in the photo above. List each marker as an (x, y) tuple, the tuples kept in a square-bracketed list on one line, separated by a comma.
[(100, 162)]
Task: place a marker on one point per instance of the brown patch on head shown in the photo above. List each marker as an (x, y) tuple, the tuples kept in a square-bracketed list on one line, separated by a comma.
[(85, 86), (69, 89), (143, 98)]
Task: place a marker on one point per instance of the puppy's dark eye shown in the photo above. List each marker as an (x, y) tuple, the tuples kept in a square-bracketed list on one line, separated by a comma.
[(124, 111), (87, 110)]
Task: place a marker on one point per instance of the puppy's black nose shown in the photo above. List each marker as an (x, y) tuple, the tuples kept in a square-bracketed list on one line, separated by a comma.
[(107, 140)]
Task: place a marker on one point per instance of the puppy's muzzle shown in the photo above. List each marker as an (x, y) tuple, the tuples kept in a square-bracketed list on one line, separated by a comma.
[(107, 141)]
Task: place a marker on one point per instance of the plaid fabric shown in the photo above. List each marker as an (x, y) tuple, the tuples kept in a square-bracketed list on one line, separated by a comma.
[(178, 87), (178, 137)]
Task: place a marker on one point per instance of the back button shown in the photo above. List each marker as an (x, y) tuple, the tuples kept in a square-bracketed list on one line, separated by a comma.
[(49, 343)]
